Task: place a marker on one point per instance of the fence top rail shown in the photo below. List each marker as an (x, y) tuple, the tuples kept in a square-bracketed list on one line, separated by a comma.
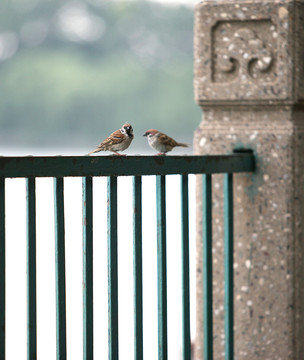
[(63, 166)]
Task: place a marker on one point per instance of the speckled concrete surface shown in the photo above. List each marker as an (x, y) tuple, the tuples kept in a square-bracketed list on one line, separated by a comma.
[(251, 46), (268, 234), (269, 204)]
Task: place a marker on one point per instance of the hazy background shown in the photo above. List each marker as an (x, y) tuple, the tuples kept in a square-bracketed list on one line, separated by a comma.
[(71, 72)]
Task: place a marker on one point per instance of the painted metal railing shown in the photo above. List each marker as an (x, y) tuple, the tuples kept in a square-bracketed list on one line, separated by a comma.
[(113, 166)]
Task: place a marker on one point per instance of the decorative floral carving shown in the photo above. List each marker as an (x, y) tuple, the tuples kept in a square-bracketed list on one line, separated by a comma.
[(246, 49), (244, 53), (242, 56)]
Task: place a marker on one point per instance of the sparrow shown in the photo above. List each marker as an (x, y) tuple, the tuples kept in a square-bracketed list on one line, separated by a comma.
[(161, 142), (119, 140)]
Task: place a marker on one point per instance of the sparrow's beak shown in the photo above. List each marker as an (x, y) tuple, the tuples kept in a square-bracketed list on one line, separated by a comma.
[(145, 134)]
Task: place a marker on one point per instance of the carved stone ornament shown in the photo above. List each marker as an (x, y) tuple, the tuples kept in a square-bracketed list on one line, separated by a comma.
[(244, 53)]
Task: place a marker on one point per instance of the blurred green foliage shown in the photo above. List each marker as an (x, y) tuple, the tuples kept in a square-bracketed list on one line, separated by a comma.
[(79, 70)]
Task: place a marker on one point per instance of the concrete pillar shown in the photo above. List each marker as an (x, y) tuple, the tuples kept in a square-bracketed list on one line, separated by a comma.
[(249, 81)]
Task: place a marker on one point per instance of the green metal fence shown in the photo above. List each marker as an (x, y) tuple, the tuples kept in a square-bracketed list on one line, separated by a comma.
[(112, 167)]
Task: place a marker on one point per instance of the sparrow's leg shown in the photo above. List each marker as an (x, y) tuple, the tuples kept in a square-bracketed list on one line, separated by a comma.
[(161, 154)]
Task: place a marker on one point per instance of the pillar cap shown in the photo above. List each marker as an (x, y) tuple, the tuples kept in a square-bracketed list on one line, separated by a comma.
[(249, 53)]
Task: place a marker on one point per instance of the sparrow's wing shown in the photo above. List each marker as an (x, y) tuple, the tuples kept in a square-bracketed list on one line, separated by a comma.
[(166, 140), (115, 138)]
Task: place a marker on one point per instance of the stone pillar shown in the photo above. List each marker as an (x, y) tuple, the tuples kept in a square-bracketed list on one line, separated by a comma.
[(249, 81)]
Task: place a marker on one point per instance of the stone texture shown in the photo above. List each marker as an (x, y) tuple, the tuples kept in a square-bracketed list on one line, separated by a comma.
[(262, 111), (248, 53), (268, 248)]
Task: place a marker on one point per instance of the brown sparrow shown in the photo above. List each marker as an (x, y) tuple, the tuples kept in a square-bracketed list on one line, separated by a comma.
[(161, 142), (119, 140)]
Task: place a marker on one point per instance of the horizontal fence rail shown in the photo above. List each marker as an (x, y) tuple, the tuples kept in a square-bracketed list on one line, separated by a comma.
[(111, 167), (62, 166)]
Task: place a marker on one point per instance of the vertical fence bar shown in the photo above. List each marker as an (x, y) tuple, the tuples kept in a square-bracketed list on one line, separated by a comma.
[(185, 268), (137, 267), (2, 268), (228, 222), (31, 269), (112, 269), (161, 266), (60, 270), (87, 224), (207, 266)]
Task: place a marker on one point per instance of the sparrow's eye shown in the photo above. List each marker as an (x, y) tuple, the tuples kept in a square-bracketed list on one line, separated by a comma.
[(128, 130)]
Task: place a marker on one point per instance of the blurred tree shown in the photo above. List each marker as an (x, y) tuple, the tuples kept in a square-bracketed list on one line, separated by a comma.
[(73, 71)]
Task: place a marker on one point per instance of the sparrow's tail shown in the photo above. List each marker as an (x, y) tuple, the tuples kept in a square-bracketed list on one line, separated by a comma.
[(182, 144), (94, 151), (91, 152)]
